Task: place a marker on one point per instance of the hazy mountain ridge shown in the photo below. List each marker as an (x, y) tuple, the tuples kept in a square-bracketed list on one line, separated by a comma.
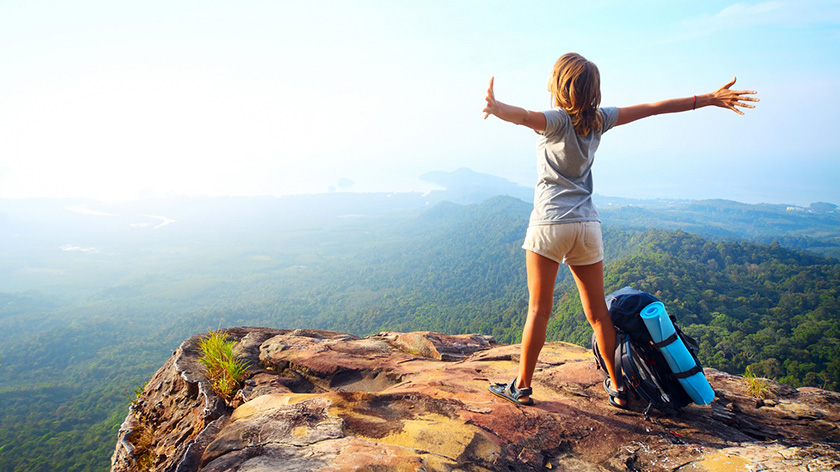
[(466, 186), (816, 228)]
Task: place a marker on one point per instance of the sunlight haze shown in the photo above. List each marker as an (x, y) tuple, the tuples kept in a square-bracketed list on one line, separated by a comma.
[(118, 100)]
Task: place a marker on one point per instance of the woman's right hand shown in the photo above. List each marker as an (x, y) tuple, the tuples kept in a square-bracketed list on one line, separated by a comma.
[(512, 114), (492, 106), (726, 98)]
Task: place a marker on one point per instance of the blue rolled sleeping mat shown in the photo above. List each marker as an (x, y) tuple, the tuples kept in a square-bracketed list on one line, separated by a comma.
[(680, 361)]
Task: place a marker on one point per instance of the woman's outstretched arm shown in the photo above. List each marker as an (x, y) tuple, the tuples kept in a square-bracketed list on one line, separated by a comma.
[(520, 116), (722, 97)]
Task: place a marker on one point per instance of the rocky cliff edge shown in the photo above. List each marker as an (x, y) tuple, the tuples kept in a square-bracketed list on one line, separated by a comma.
[(326, 401)]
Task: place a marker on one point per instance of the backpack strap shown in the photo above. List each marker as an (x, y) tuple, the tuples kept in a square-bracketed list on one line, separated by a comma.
[(646, 382), (689, 372), (670, 339), (665, 342), (619, 349)]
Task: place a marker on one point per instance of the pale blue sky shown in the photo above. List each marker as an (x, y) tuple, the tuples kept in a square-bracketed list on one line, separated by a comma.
[(113, 100)]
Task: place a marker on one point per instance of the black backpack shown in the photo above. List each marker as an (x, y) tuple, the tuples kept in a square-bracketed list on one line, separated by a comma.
[(644, 370)]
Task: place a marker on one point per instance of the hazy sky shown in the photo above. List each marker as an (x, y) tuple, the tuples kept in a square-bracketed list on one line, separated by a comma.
[(114, 100)]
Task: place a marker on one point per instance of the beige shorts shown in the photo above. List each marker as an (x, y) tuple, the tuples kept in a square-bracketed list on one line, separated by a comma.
[(577, 243)]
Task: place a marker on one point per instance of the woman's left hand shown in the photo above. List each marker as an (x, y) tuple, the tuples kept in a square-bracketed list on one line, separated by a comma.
[(726, 98)]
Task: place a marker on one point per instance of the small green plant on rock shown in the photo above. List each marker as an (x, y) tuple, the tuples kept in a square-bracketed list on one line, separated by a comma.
[(138, 392), (757, 387), (224, 368)]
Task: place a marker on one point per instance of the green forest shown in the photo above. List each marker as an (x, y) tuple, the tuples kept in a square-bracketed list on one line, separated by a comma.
[(762, 307), (75, 352)]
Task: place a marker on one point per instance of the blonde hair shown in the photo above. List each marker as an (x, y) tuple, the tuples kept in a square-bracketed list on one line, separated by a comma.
[(575, 86)]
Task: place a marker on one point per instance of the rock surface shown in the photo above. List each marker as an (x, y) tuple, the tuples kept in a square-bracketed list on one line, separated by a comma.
[(326, 401)]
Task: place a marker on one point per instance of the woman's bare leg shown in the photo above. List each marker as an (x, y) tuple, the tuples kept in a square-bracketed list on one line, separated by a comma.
[(542, 272), (590, 284)]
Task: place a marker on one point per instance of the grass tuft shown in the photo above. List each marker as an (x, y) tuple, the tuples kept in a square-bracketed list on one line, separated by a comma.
[(224, 368), (757, 387)]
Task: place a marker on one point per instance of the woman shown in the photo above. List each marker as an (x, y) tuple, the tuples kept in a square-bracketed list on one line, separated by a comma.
[(564, 226)]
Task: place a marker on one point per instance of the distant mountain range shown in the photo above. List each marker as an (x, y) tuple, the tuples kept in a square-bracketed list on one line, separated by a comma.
[(466, 186), (32, 226)]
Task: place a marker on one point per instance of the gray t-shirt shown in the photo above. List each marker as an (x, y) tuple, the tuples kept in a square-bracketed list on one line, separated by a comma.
[(564, 166)]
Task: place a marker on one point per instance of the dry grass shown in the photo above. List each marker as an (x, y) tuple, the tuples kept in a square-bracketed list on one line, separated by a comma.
[(757, 387)]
